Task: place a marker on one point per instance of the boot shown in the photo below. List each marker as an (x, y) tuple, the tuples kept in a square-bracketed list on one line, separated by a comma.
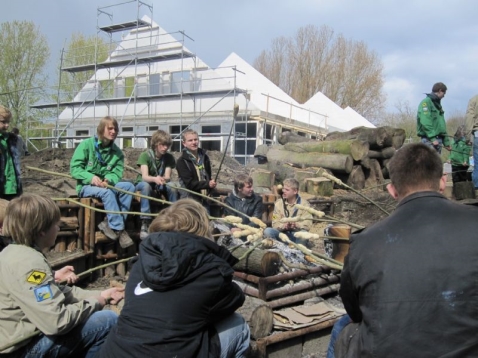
[(144, 229), (105, 229), (124, 239)]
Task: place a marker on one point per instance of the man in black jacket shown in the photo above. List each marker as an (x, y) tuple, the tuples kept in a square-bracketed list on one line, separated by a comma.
[(180, 297), (409, 281), (194, 168), (244, 200)]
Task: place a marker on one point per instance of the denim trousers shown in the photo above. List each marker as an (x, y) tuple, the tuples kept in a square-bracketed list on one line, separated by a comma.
[(274, 234), (475, 159), (338, 327), (437, 147), (85, 340), (146, 189), (112, 200), (234, 336)]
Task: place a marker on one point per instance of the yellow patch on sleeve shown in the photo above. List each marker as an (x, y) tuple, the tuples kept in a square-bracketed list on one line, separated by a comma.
[(36, 277)]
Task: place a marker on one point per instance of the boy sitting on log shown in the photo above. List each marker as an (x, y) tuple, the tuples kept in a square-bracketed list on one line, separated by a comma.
[(285, 207)]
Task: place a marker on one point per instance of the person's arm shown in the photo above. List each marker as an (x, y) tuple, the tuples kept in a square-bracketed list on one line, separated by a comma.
[(229, 298), (472, 114), (348, 293), (277, 215), (189, 178), (78, 164), (425, 119), (258, 207)]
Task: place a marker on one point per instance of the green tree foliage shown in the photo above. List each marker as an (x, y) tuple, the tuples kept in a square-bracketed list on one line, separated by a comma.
[(316, 59), (80, 50), (24, 54)]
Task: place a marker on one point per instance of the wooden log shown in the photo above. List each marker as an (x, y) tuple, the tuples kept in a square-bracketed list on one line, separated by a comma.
[(121, 269), (356, 148), (263, 178), (291, 137), (374, 136), (87, 224), (258, 262), (339, 162), (301, 175), (464, 190), (395, 137), (385, 153), (60, 245), (356, 178), (258, 315), (373, 176), (261, 150), (68, 223), (365, 162), (320, 186), (340, 248), (385, 172)]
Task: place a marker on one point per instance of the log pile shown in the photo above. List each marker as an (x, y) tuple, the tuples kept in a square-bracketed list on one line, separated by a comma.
[(358, 157)]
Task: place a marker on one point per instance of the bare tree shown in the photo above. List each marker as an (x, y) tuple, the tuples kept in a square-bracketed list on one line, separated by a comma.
[(24, 53), (316, 59)]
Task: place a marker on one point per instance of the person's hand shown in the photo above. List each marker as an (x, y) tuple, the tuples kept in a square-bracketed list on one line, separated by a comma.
[(159, 180), (66, 274), (113, 295), (448, 148), (435, 143), (96, 181), (212, 184)]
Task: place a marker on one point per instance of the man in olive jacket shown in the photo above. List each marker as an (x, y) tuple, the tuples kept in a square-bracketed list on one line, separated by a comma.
[(431, 126), (472, 125), (409, 281)]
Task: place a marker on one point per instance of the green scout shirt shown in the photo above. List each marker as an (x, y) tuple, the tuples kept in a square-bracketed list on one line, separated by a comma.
[(430, 122), (146, 158), (89, 160), (460, 153), (10, 186)]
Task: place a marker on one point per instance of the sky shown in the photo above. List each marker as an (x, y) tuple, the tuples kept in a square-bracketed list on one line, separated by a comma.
[(420, 42)]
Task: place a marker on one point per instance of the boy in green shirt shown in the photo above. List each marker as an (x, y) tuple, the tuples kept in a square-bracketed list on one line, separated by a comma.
[(460, 157), (156, 165)]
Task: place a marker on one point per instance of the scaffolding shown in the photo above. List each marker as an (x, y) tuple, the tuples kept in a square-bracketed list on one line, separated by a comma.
[(132, 85)]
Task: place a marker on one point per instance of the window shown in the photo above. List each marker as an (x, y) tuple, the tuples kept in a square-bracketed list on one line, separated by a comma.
[(154, 84), (180, 82), (268, 131), (127, 129), (119, 88), (82, 132), (165, 83), (210, 129), (152, 128), (246, 130), (302, 134), (176, 129), (211, 144)]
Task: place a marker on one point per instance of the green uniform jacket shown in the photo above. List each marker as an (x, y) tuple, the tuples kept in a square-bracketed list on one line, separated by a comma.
[(460, 153), (85, 163), (30, 299), (472, 115), (430, 122), (146, 158), (305, 217)]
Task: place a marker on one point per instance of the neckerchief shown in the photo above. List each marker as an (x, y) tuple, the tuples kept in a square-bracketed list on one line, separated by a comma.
[(98, 154), (200, 169), (286, 211), (160, 171), (437, 102)]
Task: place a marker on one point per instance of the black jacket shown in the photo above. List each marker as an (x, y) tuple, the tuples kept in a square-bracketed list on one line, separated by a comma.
[(412, 280), (251, 206), (180, 285), (187, 172)]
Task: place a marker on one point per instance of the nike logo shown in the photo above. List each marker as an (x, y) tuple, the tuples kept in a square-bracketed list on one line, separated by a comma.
[(138, 290)]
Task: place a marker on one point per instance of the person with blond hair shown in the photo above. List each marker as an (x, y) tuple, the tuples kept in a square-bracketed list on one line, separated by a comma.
[(10, 178), (69, 320), (96, 163), (156, 165), (180, 298)]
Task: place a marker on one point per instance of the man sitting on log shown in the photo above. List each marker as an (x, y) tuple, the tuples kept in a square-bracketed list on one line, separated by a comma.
[(285, 207), (409, 281), (244, 200)]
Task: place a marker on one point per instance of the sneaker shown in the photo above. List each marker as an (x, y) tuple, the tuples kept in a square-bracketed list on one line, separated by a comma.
[(105, 229), (124, 239), (144, 229)]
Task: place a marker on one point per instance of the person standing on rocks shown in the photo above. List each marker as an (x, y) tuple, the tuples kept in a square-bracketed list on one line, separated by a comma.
[(156, 165), (96, 163), (10, 179), (194, 168), (431, 125)]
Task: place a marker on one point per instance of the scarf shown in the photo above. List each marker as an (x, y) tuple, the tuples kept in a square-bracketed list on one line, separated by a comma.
[(437, 102), (200, 169)]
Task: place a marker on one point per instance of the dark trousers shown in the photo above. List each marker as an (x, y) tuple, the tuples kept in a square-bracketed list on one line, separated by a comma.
[(460, 173)]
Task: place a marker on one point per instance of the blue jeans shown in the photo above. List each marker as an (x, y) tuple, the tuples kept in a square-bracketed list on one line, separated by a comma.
[(146, 189), (437, 147), (233, 333), (85, 340), (112, 200), (338, 327), (274, 234), (475, 159)]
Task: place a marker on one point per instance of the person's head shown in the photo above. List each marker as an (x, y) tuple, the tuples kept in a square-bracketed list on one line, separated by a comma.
[(107, 129), (243, 185), (185, 215), (3, 208), (160, 142), (190, 140), (5, 118), (32, 219), (415, 167), (460, 132), (290, 189), (15, 131), (439, 89)]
